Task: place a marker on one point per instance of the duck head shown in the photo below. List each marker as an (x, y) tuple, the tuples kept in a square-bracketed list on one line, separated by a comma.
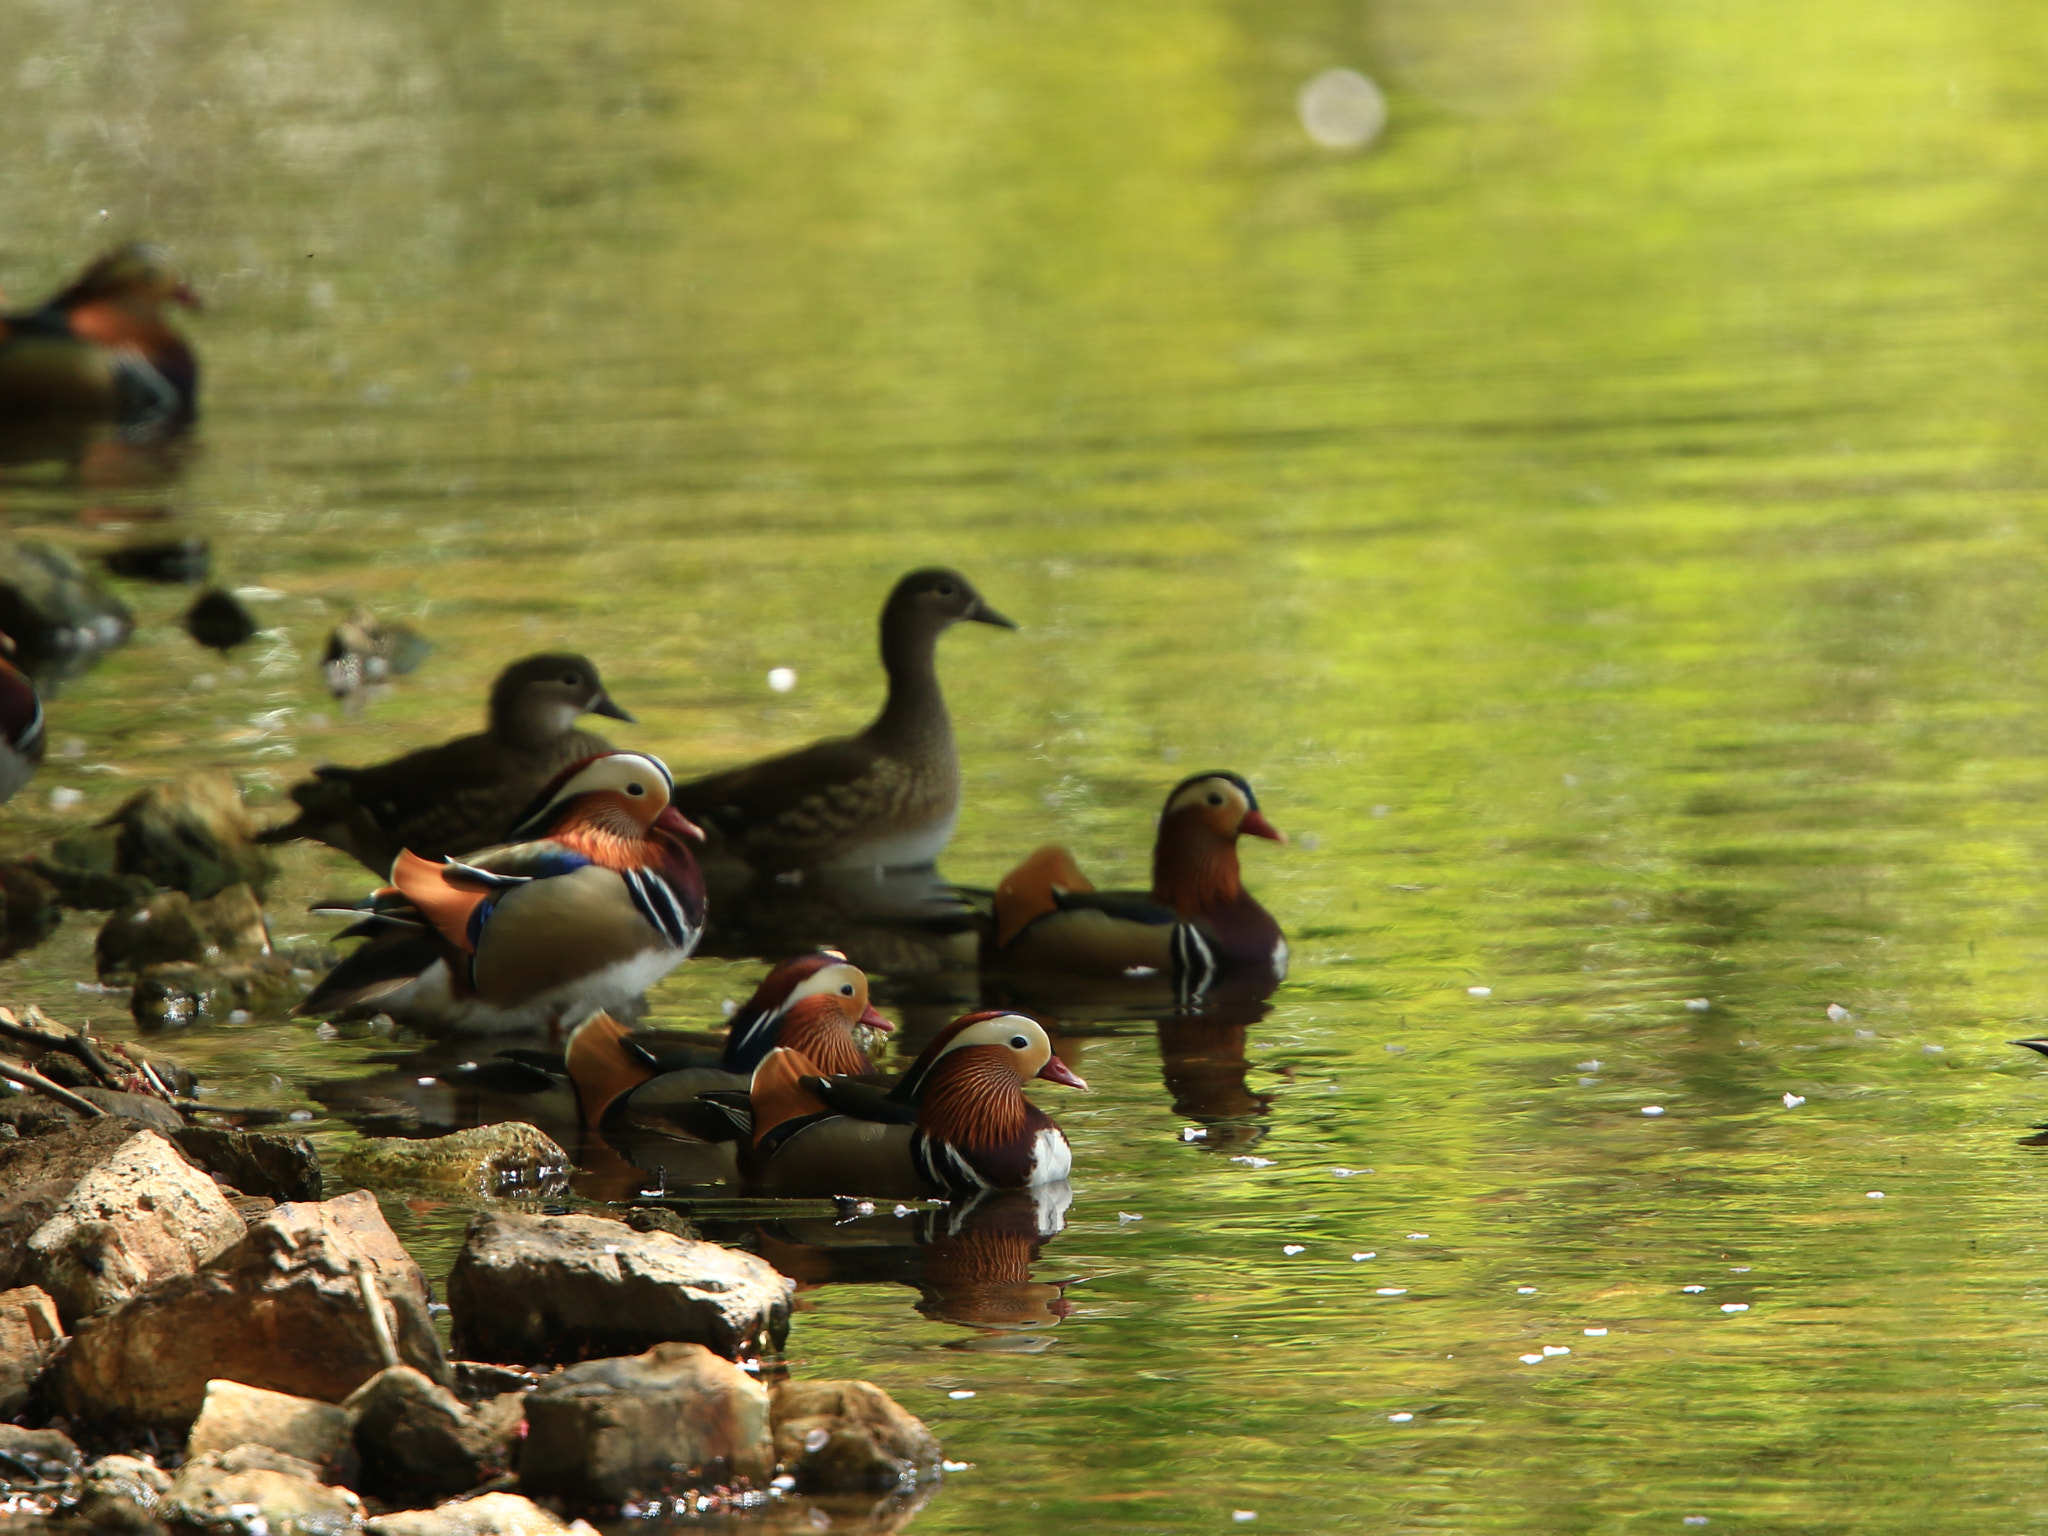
[(929, 601), (137, 277), (1194, 860), (993, 1044), (759, 1024), (538, 700), (621, 794)]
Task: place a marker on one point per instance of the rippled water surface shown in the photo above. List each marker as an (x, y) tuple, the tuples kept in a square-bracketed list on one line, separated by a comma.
[(1604, 519)]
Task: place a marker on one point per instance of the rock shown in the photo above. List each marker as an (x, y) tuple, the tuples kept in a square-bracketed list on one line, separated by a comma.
[(170, 926), (39, 1171), (218, 621), (178, 561), (849, 1437), (251, 1208), (136, 1108), (475, 1381), (484, 1160), (84, 869), (29, 1335), (210, 1491), (179, 992), (30, 908), (531, 1289), (280, 1309), (31, 1456), (273, 1163), (233, 1415), (140, 1217), (363, 653), (128, 1477), (676, 1417), (59, 617), (489, 1514), (192, 835), (417, 1441)]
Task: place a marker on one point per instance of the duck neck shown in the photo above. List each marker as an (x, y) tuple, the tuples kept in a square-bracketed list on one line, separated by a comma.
[(971, 1099), (1193, 872), (915, 712), (524, 724)]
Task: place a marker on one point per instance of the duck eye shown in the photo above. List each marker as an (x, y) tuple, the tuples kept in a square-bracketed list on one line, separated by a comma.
[(847, 990), (636, 789), (945, 589), (1018, 1042), (570, 680), (1214, 798)]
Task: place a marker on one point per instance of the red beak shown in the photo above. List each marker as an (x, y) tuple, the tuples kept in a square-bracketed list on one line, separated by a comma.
[(1057, 1071), (673, 820), (874, 1020), (183, 294), (1255, 823)]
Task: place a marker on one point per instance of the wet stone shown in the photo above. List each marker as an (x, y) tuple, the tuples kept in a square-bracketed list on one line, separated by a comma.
[(30, 908), (484, 1160), (176, 561), (270, 1163), (193, 835), (170, 926), (850, 1437), (418, 1442), (179, 993), (677, 1417), (532, 1289), (32, 1456), (60, 618), (219, 621)]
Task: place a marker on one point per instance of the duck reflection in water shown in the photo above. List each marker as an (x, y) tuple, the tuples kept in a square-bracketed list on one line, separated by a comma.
[(970, 1262)]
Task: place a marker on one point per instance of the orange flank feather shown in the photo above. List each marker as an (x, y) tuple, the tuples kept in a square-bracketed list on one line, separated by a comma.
[(600, 1069), (1026, 893), (441, 901), (778, 1093)]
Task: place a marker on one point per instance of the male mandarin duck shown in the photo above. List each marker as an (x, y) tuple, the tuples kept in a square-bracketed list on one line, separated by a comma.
[(601, 901), (22, 737), (1196, 922), (815, 1003), (957, 1122), (464, 794), (99, 356), (884, 799)]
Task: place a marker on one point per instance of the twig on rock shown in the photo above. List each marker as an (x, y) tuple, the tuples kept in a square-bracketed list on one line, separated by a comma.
[(58, 1038), (28, 1077), (373, 1303)]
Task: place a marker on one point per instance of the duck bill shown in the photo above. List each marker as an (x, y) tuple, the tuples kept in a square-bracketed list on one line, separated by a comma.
[(184, 294), (1256, 824), (1057, 1071), (981, 613), (603, 705), (2034, 1045), (873, 1020), (673, 820)]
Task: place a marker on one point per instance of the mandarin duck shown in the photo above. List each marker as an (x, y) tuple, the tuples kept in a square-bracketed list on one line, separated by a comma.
[(600, 899), (99, 358), (1196, 922), (884, 799), (814, 1003), (464, 794), (957, 1122), (22, 736)]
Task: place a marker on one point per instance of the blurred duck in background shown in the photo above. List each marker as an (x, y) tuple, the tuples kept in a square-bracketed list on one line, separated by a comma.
[(1195, 923), (99, 360), (467, 793), (884, 799), (22, 734)]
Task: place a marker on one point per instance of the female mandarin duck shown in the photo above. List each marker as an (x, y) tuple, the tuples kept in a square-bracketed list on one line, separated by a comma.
[(464, 794), (956, 1123), (21, 727), (603, 901), (815, 1003), (886, 798), (100, 355), (1196, 922)]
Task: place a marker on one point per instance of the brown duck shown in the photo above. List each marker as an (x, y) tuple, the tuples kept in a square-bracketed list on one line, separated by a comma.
[(100, 358), (467, 793), (886, 798)]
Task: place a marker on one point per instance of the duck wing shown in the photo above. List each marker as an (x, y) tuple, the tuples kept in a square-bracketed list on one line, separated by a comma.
[(801, 797)]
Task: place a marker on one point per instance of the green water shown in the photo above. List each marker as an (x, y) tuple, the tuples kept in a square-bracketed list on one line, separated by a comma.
[(1605, 519)]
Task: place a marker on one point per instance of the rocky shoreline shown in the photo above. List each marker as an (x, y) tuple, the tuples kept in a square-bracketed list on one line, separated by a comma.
[(191, 1341)]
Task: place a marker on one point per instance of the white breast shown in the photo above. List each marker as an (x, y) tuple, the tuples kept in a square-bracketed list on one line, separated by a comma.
[(1051, 1158)]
